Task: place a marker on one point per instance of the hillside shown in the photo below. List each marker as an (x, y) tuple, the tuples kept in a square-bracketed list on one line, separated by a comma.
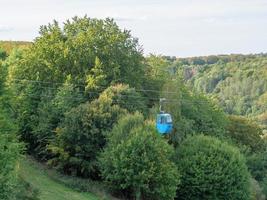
[(48, 188), (238, 82)]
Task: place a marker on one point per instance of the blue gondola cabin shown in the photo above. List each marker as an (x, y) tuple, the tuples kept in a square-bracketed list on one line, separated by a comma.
[(164, 123)]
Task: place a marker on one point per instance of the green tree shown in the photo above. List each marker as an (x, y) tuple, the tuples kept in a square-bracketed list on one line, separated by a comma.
[(97, 78), (245, 132), (156, 73), (211, 169), (51, 112), (94, 53), (81, 136), (137, 161), (194, 113), (9, 155), (207, 116), (25, 112), (87, 49), (126, 97)]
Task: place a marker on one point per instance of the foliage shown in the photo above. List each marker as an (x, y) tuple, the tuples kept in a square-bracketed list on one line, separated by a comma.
[(211, 169), (88, 55), (157, 70), (69, 87), (81, 136), (50, 112), (11, 187), (191, 111), (257, 164), (3, 54), (195, 113), (238, 82), (137, 160), (2, 78), (25, 113), (208, 117), (126, 97), (4, 64), (84, 48), (245, 132), (9, 154)]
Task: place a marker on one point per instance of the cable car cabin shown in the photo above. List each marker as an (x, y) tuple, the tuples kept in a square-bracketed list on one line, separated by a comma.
[(164, 123)]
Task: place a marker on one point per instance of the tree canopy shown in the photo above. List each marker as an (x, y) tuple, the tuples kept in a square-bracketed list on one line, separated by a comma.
[(137, 160), (211, 169)]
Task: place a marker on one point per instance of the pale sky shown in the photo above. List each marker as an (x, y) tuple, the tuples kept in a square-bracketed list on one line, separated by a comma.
[(170, 27)]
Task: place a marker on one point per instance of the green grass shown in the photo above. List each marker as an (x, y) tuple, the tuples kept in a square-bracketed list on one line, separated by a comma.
[(48, 188)]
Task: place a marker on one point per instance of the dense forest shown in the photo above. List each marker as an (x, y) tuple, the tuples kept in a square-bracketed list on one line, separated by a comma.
[(83, 100), (237, 82)]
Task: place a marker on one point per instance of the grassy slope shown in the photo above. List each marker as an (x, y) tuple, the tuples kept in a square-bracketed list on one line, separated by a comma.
[(49, 189)]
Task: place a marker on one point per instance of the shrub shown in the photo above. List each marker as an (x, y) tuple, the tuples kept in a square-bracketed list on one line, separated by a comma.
[(137, 161), (257, 165), (211, 169)]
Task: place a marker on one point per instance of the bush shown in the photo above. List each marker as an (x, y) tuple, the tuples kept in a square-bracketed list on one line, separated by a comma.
[(211, 169), (137, 161), (257, 165)]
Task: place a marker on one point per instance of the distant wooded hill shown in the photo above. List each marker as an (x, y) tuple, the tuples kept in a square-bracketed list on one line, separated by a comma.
[(8, 46), (237, 82)]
